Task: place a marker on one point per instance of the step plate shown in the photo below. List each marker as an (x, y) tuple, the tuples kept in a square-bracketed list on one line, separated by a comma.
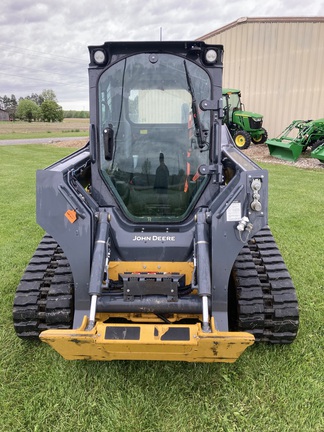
[(166, 342)]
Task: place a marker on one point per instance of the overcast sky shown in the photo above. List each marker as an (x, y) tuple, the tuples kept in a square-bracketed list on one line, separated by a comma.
[(44, 43)]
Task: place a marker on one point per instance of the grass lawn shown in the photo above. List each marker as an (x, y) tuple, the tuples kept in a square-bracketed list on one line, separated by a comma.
[(23, 130), (270, 388)]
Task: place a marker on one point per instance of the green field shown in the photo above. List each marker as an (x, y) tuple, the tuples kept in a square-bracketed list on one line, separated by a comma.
[(23, 130), (270, 388)]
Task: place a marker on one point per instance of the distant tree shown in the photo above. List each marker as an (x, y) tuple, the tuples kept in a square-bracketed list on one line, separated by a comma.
[(76, 114), (68, 114), (4, 102), (9, 104), (38, 99), (51, 111), (12, 107), (48, 95), (28, 110), (84, 114), (29, 113)]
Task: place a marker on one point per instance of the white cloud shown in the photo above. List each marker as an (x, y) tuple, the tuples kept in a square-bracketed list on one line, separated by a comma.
[(44, 44)]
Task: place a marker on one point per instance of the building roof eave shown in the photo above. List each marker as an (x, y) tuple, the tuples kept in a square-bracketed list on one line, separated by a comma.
[(245, 20)]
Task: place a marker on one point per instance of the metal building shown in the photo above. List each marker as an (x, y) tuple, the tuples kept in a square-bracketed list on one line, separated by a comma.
[(278, 64), (4, 116)]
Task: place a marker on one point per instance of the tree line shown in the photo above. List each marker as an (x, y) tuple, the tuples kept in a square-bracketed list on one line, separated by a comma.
[(37, 107)]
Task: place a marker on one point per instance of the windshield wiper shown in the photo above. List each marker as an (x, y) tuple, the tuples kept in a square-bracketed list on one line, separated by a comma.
[(200, 134)]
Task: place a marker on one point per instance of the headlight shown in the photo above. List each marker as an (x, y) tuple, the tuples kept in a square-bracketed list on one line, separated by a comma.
[(258, 119), (99, 57), (211, 56)]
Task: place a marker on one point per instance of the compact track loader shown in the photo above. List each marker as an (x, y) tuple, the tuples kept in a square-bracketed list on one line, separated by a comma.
[(157, 243)]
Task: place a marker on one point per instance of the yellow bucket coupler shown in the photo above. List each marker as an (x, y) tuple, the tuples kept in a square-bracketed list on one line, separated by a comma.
[(153, 341)]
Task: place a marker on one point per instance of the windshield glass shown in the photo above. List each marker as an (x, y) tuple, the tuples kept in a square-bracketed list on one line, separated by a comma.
[(234, 103), (147, 106)]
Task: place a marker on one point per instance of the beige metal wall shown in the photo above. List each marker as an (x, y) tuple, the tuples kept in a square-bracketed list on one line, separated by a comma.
[(278, 65)]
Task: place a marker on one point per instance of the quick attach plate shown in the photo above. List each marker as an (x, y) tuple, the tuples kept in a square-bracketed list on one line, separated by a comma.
[(145, 284)]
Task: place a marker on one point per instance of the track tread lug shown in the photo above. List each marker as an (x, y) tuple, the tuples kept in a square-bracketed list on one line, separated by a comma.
[(44, 296), (265, 294)]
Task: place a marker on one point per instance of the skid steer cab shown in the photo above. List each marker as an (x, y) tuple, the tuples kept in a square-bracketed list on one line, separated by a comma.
[(157, 245)]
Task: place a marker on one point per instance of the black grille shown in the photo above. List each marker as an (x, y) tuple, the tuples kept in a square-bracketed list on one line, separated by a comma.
[(255, 124)]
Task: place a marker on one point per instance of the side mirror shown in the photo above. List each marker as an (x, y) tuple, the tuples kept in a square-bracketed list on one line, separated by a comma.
[(108, 139)]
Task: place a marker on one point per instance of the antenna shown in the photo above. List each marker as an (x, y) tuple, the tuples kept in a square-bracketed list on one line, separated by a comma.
[(161, 30)]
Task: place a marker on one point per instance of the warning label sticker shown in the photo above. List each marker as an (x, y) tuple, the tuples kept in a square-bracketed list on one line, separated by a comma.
[(234, 212)]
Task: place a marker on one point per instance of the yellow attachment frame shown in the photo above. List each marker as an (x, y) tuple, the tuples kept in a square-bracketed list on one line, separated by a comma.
[(152, 341), (118, 267)]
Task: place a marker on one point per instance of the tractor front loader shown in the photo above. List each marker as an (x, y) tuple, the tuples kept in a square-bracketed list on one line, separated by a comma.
[(318, 149), (295, 139), (157, 245)]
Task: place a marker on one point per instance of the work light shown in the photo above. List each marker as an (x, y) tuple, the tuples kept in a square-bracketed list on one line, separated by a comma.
[(211, 56), (99, 56)]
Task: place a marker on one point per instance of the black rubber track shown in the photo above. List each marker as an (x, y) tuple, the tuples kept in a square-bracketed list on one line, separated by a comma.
[(263, 293), (44, 296)]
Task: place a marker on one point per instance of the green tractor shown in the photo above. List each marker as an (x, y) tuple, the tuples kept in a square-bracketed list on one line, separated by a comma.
[(244, 126), (318, 150), (296, 138)]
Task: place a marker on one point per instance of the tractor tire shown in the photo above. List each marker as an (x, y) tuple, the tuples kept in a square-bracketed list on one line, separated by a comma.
[(242, 139), (317, 144), (262, 297), (44, 296), (261, 139)]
